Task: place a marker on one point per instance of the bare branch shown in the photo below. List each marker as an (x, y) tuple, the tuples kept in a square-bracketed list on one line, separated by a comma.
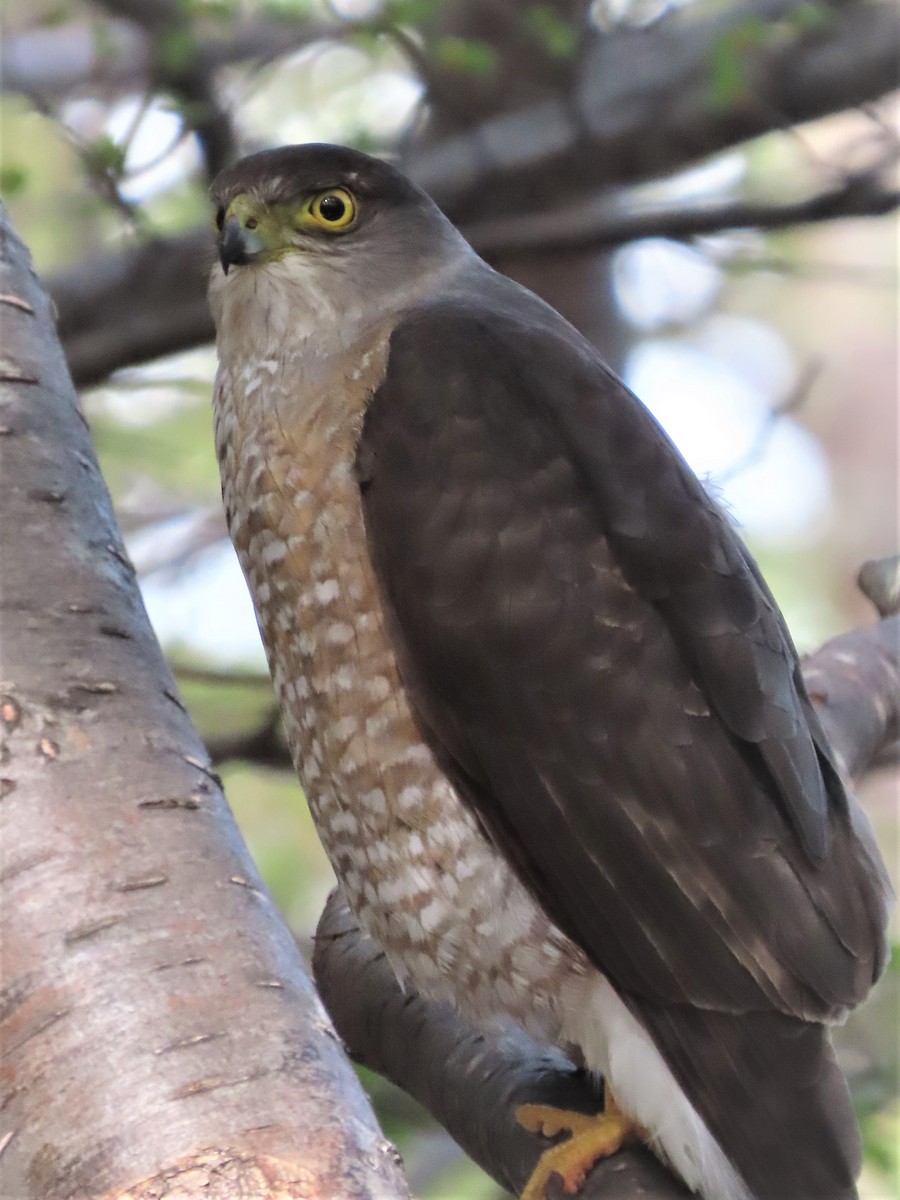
[(179, 67), (472, 1084), (264, 746), (221, 678), (127, 307), (854, 681), (879, 581), (614, 221), (54, 61), (205, 528), (645, 103)]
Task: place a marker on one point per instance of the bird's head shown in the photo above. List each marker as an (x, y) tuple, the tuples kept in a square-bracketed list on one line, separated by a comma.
[(342, 226)]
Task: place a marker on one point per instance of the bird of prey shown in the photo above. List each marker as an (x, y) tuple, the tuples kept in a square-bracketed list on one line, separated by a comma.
[(548, 717)]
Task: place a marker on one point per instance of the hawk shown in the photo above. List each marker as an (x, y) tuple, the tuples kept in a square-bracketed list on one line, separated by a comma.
[(548, 718)]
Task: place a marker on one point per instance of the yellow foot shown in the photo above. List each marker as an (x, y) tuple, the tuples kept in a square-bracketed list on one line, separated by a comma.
[(592, 1136)]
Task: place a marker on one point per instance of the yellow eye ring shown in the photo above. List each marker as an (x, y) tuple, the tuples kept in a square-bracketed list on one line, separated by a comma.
[(332, 210)]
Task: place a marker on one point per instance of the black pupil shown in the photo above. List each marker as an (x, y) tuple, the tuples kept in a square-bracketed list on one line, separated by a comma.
[(331, 208)]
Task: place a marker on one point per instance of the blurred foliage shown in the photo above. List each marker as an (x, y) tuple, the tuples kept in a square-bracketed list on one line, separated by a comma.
[(557, 37), (174, 452), (56, 213), (730, 62), (465, 55), (275, 820)]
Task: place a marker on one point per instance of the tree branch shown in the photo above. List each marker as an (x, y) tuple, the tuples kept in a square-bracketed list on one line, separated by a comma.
[(128, 307), (612, 222), (646, 103), (473, 1084), (179, 67), (854, 679), (879, 581), (118, 59), (470, 1083), (159, 1030), (643, 105), (264, 746)]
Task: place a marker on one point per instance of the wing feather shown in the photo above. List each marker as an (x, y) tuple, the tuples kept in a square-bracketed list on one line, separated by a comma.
[(601, 672)]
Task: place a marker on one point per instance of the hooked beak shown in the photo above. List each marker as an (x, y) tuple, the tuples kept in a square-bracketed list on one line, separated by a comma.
[(236, 245)]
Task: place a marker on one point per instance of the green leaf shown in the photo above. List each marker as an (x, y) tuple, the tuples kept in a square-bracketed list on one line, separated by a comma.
[(177, 50), (105, 155), (728, 62), (466, 56), (13, 180), (557, 37), (810, 17)]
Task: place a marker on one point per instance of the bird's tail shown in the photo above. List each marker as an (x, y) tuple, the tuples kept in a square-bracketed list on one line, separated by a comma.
[(770, 1091)]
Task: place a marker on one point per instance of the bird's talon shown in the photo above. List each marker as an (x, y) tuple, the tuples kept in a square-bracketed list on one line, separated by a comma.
[(592, 1136)]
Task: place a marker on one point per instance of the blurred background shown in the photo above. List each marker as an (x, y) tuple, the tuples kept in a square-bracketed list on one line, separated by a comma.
[(708, 190)]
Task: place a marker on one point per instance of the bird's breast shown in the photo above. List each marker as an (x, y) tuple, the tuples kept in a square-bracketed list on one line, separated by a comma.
[(417, 870)]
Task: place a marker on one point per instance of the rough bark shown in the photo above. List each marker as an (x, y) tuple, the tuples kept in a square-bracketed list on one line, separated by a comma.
[(472, 1084), (160, 1034)]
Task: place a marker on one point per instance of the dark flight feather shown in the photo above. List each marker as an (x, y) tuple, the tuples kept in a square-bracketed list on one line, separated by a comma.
[(589, 649), (772, 1094)]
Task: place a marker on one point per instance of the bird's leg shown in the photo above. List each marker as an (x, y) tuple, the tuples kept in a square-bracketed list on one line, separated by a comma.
[(592, 1136)]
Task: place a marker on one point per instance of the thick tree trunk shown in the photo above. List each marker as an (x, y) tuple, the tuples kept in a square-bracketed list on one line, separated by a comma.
[(160, 1035)]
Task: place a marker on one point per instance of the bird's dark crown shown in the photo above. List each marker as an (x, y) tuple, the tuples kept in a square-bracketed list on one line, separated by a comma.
[(289, 173)]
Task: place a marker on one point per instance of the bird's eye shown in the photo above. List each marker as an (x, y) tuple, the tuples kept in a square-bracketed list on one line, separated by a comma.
[(332, 210), (219, 219)]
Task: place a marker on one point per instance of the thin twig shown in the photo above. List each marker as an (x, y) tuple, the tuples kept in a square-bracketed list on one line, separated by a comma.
[(794, 400), (221, 678), (104, 180), (264, 746)]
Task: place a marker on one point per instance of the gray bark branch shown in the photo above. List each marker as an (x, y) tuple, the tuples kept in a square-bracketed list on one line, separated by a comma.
[(644, 103), (614, 221), (131, 307), (159, 1029), (52, 61), (640, 104)]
